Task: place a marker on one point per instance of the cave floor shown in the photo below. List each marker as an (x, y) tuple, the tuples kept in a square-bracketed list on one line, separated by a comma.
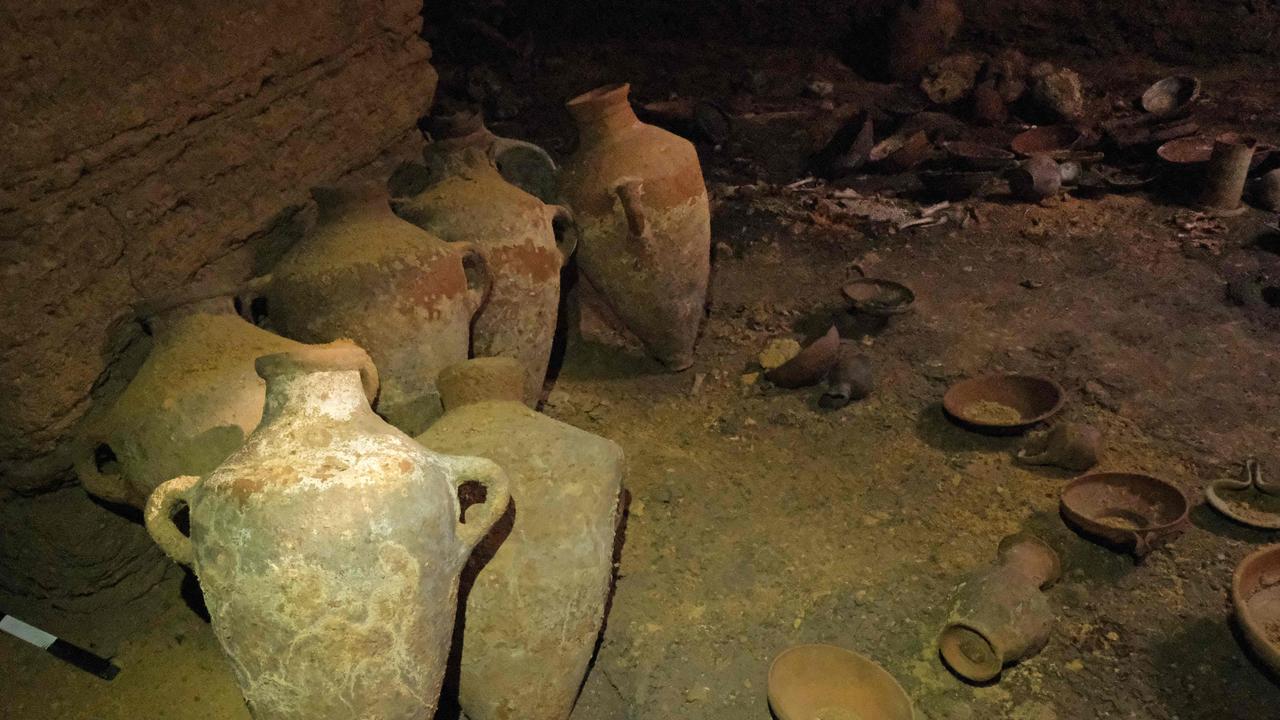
[(757, 521)]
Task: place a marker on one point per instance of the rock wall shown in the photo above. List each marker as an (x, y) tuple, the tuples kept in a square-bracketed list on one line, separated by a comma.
[(150, 145), (145, 142)]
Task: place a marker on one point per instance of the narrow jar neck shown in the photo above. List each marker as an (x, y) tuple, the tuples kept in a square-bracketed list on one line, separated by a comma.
[(332, 394), (368, 199), (460, 156), (603, 112)]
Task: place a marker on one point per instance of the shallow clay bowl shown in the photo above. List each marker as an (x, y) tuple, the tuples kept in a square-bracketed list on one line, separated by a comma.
[(1170, 95), (810, 365), (1197, 149), (825, 682), (1136, 513), (1051, 140), (901, 152), (979, 156), (1255, 594), (1035, 398), (881, 298)]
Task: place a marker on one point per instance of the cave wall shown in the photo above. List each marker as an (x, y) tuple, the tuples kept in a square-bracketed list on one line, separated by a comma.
[(145, 143), (149, 146), (1183, 31)]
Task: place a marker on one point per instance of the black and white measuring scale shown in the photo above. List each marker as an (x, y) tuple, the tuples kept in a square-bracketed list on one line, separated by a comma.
[(61, 649)]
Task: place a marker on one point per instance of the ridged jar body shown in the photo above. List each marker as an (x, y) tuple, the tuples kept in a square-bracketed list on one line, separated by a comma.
[(328, 552), (190, 405), (470, 201), (536, 607), (398, 291), (640, 204)]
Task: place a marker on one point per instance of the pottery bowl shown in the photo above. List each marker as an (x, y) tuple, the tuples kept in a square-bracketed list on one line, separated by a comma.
[(901, 152), (978, 156), (1023, 401), (811, 365), (1136, 513), (1168, 96), (1053, 140), (878, 297), (1255, 595), (825, 682), (1197, 149)]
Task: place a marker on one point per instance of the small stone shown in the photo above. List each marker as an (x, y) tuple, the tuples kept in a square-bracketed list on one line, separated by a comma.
[(698, 694), (819, 88), (749, 379), (778, 352), (1058, 91), (1113, 636)]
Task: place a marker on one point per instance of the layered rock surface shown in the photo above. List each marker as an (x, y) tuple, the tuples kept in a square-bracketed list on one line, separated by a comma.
[(150, 146)]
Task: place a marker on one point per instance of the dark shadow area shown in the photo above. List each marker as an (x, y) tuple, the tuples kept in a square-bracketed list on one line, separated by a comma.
[(939, 431)]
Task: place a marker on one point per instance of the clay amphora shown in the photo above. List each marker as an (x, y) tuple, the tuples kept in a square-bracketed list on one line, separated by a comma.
[(400, 292), (328, 548), (538, 601), (468, 200), (190, 405), (999, 615), (641, 207)]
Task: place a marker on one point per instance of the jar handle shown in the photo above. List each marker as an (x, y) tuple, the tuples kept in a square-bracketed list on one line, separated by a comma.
[(479, 276), (493, 478), (540, 183), (159, 518), (566, 234), (629, 192)]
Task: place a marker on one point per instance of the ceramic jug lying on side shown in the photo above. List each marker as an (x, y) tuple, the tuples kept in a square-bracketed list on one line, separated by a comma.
[(641, 206), (468, 200), (402, 293), (537, 604), (1000, 615), (328, 548), (190, 405)]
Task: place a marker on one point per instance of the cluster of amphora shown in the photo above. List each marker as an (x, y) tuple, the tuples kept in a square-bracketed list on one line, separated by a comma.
[(345, 460)]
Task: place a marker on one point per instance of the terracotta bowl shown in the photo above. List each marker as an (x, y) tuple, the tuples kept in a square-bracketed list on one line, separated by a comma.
[(1197, 149), (1136, 513), (1255, 594), (1170, 95), (901, 152), (1035, 398), (1052, 140), (979, 156), (811, 365), (878, 297), (825, 682)]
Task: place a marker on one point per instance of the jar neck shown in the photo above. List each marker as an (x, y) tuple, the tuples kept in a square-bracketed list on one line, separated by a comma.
[(329, 394), (603, 112), (344, 201), (460, 156)]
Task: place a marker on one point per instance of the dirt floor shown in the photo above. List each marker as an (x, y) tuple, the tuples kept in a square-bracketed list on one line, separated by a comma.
[(758, 520)]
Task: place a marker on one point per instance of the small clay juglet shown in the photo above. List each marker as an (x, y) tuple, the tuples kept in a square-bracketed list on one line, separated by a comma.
[(851, 379), (1071, 446)]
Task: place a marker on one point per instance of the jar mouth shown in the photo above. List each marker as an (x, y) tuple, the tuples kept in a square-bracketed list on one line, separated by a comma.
[(349, 193), (457, 125), (337, 356), (595, 101)]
